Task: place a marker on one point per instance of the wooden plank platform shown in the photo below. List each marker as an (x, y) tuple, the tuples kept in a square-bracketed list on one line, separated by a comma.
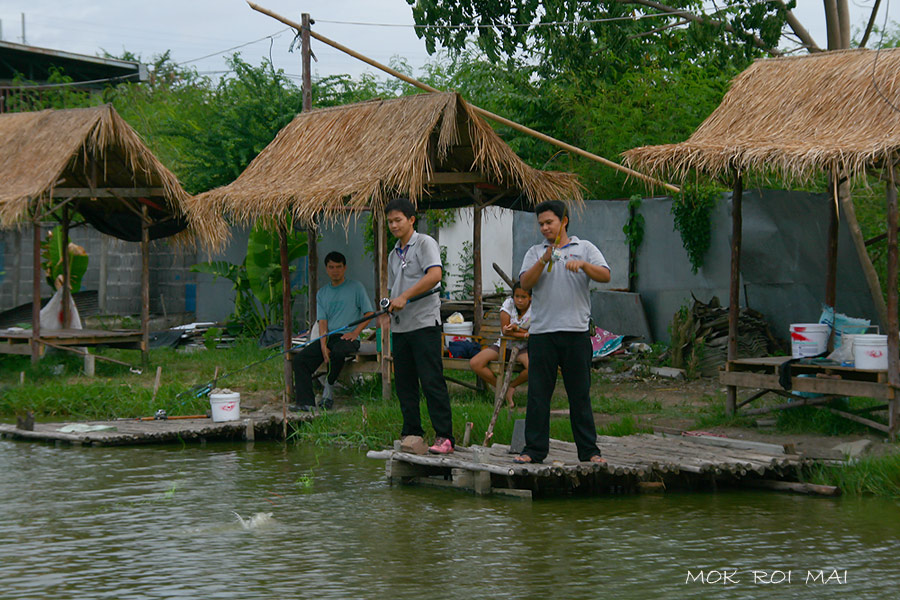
[(633, 462), (132, 432), (19, 342)]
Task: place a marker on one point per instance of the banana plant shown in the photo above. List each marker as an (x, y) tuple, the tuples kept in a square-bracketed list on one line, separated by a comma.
[(257, 281), (52, 260)]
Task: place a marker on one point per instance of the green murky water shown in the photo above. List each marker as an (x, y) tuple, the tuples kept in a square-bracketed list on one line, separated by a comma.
[(135, 523)]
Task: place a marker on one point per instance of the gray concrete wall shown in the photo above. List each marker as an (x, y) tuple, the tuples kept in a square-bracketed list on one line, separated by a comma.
[(169, 276), (782, 267)]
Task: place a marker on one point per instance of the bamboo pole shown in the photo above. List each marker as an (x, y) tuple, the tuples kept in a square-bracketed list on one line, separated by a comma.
[(381, 256), (734, 305), (286, 306), (67, 276), (312, 257), (477, 275), (480, 111), (36, 292), (892, 304), (145, 285)]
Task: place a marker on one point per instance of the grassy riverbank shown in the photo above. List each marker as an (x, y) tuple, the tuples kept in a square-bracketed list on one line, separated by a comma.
[(56, 390)]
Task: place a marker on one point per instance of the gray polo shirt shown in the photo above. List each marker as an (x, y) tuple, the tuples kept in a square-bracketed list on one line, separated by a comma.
[(406, 266), (561, 299)]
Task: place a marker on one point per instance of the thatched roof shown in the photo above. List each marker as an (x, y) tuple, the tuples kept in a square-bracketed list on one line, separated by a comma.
[(794, 117), (357, 157), (54, 150)]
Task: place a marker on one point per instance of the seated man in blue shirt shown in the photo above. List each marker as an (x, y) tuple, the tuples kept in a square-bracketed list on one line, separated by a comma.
[(337, 305)]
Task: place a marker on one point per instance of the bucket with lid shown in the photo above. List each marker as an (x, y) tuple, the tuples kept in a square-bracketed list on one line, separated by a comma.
[(809, 339), (870, 352), (225, 405)]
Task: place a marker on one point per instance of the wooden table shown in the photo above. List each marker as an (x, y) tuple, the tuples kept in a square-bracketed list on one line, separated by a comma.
[(818, 384), (19, 342)]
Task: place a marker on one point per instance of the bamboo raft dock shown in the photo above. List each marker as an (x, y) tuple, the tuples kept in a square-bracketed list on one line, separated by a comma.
[(131, 432), (642, 463)]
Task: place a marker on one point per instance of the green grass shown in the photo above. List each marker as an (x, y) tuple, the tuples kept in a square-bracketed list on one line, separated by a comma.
[(878, 476), (56, 387)]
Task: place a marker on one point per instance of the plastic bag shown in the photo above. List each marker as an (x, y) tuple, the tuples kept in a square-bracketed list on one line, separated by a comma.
[(841, 324), (52, 313), (456, 318)]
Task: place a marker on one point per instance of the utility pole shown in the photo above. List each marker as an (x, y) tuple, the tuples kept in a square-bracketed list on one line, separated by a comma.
[(23, 29)]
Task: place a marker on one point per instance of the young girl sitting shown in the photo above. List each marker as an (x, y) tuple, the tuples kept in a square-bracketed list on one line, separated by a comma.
[(515, 318)]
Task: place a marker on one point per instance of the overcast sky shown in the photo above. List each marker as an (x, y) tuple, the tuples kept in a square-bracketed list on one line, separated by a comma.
[(193, 29)]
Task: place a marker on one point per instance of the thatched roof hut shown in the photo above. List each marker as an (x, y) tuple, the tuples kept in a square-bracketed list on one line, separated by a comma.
[(797, 117), (90, 161), (357, 157), (794, 116), (74, 153)]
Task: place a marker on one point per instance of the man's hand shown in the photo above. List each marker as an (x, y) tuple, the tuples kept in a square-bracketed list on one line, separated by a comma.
[(397, 303), (350, 335), (575, 265)]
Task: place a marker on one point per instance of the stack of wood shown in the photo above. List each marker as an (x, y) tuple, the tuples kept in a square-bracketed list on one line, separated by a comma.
[(700, 337)]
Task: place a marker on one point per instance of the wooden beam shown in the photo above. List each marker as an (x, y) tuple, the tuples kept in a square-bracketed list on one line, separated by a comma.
[(734, 305), (450, 178), (480, 111), (815, 385), (862, 254), (107, 192), (381, 262), (286, 306), (36, 293), (67, 275), (892, 303), (477, 276), (145, 286)]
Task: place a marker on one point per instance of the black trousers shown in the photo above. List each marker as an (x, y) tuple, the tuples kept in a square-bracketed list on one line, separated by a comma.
[(308, 360), (417, 359), (569, 352)]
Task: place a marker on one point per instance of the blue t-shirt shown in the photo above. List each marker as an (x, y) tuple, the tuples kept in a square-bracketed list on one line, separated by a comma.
[(342, 304)]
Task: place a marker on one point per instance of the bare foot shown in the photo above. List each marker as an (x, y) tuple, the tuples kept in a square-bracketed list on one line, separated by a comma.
[(597, 459), (509, 397)]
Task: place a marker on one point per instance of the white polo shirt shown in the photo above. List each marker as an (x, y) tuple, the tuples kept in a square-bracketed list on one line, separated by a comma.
[(406, 266), (561, 299)]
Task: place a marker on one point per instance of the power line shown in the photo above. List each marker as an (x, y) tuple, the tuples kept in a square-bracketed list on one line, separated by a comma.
[(500, 26), (270, 36)]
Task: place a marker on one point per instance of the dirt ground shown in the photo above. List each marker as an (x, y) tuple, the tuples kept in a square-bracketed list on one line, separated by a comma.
[(675, 406), (683, 400)]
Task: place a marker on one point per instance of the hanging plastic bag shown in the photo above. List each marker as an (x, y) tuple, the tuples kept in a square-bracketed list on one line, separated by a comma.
[(52, 313)]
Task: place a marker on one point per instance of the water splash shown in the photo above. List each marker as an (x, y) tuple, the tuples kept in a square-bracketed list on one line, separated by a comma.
[(257, 521)]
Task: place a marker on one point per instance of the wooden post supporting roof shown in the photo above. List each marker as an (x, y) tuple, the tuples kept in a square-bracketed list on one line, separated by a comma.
[(36, 291), (145, 285), (892, 303), (832, 251), (311, 233), (734, 305), (286, 305), (67, 270), (381, 254), (477, 283)]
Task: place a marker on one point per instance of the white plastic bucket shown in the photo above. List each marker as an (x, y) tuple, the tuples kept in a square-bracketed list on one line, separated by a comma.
[(457, 332), (870, 352), (808, 339), (226, 406)]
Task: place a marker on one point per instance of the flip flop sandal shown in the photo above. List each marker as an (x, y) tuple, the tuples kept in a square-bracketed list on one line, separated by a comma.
[(524, 459)]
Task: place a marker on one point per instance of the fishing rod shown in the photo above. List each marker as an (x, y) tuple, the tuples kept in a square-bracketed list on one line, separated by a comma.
[(203, 389)]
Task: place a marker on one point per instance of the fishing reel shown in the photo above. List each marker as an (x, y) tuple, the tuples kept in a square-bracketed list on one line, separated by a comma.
[(384, 303)]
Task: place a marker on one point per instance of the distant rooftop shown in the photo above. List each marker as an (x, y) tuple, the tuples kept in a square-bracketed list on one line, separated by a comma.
[(34, 64)]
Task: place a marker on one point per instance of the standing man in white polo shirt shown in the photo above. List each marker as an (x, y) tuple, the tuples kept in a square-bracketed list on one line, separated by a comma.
[(559, 272), (414, 267)]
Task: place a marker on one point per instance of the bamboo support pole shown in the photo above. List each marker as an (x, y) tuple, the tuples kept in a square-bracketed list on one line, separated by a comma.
[(477, 276), (67, 268), (381, 256), (36, 293), (892, 304), (734, 305), (480, 111), (286, 306), (312, 257), (145, 285)]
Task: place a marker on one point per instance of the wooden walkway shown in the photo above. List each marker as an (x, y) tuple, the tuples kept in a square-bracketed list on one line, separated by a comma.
[(131, 432), (637, 463)]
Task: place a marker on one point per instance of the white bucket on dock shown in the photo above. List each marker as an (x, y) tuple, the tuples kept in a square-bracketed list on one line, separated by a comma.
[(809, 339), (457, 332), (225, 405), (870, 352)]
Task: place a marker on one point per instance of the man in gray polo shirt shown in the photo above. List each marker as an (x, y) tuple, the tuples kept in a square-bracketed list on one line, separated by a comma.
[(414, 267), (559, 272)]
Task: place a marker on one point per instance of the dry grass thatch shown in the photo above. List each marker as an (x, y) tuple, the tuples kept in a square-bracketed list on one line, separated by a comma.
[(41, 151), (329, 161), (794, 117)]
